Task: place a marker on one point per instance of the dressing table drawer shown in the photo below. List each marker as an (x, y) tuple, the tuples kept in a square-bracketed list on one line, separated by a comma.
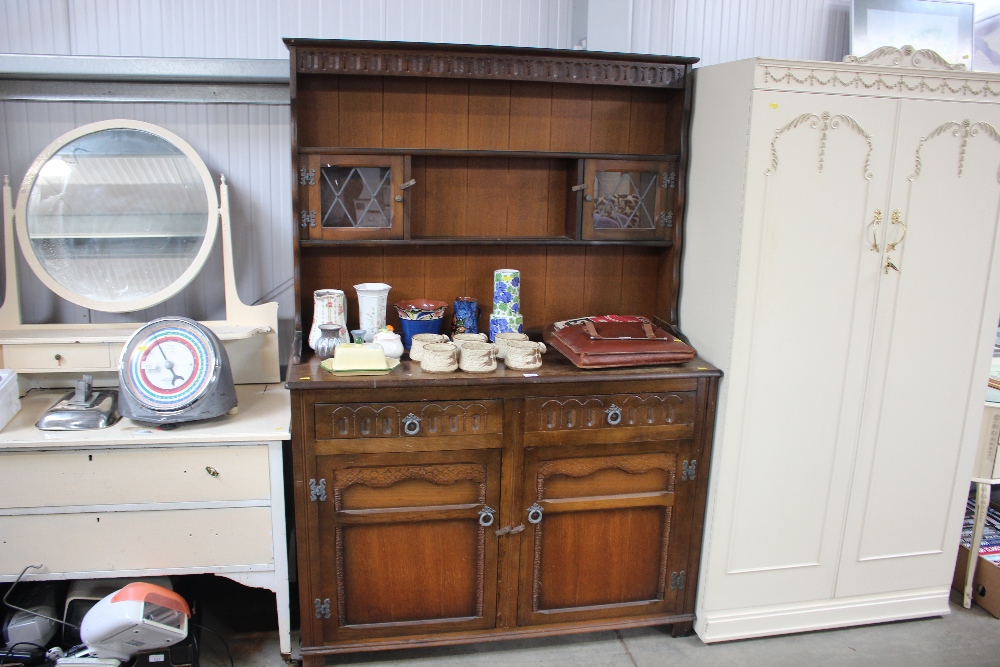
[(133, 476), (81, 356), (92, 542)]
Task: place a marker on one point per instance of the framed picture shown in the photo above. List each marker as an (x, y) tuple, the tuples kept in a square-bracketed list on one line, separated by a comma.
[(939, 25)]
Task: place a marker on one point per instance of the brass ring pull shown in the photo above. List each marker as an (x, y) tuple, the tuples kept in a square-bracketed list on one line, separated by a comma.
[(535, 513), (876, 221), (896, 220)]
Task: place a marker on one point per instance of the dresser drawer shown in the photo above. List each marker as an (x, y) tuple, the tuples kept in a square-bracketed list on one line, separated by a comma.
[(128, 476), (113, 541), (82, 356), (348, 421), (609, 418)]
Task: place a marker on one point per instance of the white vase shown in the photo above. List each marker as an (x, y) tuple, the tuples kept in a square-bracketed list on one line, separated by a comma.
[(329, 307), (372, 301)]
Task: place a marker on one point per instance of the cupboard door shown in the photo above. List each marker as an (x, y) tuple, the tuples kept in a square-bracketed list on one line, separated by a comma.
[(407, 543), (601, 536), (629, 200), (937, 315), (349, 197), (817, 169)]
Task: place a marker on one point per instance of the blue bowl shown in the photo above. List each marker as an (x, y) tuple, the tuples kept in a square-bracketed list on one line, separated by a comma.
[(413, 327)]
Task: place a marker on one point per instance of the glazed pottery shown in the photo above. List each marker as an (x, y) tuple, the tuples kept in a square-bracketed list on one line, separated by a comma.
[(329, 307), (420, 309), (463, 338), (505, 324), (390, 342), (524, 355), (422, 339), (372, 299), (477, 357), (505, 337), (467, 312), (413, 328), (439, 358), (331, 335)]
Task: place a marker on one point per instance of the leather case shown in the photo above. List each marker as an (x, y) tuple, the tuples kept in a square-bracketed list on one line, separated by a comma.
[(597, 344)]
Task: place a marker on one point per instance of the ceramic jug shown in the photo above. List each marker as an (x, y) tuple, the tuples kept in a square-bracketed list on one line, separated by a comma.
[(467, 313), (329, 307), (331, 335)]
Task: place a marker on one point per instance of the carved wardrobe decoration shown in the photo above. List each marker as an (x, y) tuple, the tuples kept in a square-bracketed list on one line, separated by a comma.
[(848, 425), (439, 509)]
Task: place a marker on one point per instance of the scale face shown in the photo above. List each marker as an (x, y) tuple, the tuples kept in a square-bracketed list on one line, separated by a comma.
[(174, 369)]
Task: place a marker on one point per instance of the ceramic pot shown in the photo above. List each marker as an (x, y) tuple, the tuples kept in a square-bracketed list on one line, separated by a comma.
[(463, 338), (422, 339), (467, 312), (439, 358), (524, 355), (372, 299), (477, 357), (505, 324), (390, 342), (420, 309), (505, 337), (413, 328), (331, 335), (329, 307)]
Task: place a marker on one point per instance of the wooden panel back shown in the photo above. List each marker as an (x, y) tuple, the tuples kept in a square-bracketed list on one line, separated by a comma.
[(413, 113), (557, 282)]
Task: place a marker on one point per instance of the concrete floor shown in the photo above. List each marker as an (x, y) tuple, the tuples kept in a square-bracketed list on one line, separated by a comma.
[(966, 638)]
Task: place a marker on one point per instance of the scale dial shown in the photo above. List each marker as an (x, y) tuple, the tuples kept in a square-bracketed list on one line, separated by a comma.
[(170, 365)]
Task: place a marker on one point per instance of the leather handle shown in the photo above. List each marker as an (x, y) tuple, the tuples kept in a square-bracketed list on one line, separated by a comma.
[(646, 326)]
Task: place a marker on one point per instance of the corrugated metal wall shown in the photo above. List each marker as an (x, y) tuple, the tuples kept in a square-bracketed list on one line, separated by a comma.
[(250, 143)]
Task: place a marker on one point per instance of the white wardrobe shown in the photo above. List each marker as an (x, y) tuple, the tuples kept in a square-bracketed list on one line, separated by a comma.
[(841, 266)]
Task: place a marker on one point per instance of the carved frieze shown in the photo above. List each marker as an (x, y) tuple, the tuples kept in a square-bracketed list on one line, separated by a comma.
[(387, 421), (824, 123), (906, 56), (510, 67), (635, 464), (592, 412), (964, 131), (381, 477)]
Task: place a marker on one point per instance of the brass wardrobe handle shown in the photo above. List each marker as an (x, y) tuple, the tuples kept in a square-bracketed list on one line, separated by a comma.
[(896, 220), (876, 221)]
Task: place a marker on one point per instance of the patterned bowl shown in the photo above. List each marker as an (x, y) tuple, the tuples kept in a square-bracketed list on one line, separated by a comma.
[(420, 309)]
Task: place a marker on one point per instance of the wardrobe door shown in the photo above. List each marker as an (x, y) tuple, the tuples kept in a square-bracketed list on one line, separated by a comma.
[(816, 174), (937, 313)]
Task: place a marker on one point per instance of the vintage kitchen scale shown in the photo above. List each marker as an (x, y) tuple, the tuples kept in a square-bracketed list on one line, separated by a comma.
[(119, 216)]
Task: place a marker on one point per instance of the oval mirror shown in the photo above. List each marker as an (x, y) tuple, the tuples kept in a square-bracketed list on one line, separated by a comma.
[(117, 215)]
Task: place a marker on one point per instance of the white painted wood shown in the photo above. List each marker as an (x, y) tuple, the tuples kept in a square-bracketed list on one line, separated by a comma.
[(927, 379), (153, 475), (137, 540), (849, 411), (134, 500)]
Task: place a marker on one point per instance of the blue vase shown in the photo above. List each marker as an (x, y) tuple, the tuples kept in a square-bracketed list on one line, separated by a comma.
[(413, 327), (467, 312)]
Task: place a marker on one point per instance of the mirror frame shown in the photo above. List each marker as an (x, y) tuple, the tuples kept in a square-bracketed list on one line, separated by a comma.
[(211, 228)]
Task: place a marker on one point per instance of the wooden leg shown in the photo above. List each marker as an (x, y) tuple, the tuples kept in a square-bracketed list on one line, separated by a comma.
[(313, 661), (682, 629), (982, 503)]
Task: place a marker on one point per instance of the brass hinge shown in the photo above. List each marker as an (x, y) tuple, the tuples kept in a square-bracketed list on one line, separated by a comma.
[(307, 176), (317, 491), (322, 608), (307, 218), (688, 470), (676, 581)]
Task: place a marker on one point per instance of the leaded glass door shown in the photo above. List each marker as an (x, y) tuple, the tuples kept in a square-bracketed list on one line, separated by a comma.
[(628, 200), (352, 197)]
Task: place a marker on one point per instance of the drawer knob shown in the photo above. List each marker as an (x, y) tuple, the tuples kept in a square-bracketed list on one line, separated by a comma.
[(411, 424), (487, 516), (614, 414), (211, 471), (535, 513)]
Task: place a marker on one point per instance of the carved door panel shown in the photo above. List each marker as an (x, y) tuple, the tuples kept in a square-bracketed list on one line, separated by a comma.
[(921, 418), (629, 200), (407, 543), (347, 197), (601, 538)]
